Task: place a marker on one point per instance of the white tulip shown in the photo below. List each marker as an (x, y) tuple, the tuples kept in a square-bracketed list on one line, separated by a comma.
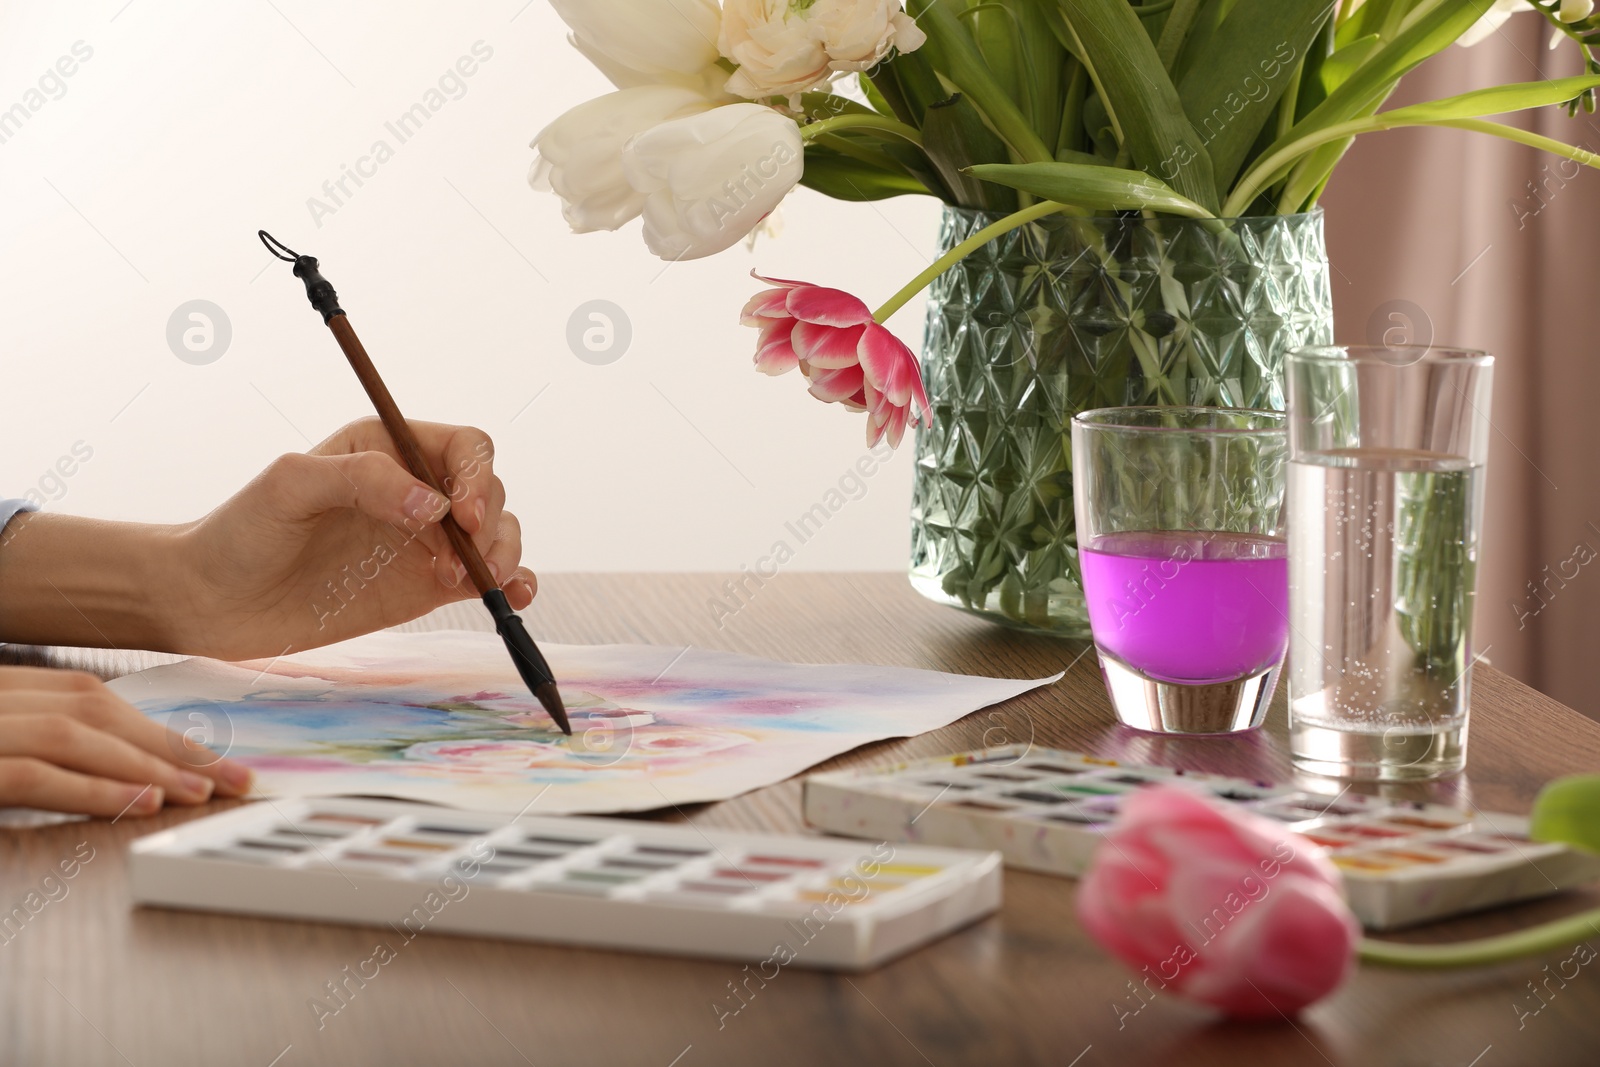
[(639, 41), (709, 179), (580, 153), (710, 82), (1492, 20), (783, 47)]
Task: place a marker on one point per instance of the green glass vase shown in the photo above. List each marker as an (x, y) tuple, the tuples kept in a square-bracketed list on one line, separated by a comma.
[(1065, 315)]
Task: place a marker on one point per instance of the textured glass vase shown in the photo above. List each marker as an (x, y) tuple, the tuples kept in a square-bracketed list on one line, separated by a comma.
[(1068, 314)]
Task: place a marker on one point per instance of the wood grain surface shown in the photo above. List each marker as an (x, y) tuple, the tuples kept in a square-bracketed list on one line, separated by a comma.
[(92, 980)]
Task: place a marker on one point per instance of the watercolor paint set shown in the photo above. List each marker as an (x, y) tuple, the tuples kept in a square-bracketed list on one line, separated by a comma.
[(809, 902), (1045, 810)]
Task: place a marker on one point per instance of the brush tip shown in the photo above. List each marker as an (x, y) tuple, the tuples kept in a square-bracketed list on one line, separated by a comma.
[(550, 697)]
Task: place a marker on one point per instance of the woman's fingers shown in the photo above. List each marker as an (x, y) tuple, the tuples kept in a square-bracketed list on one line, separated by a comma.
[(29, 782), (452, 575), (44, 678), (491, 508), (67, 743), (462, 456), (466, 455), (373, 482), (504, 551), (84, 699), (364, 456), (431, 535), (189, 749), (521, 588)]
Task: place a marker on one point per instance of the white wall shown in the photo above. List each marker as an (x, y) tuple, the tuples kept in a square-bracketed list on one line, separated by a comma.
[(193, 124)]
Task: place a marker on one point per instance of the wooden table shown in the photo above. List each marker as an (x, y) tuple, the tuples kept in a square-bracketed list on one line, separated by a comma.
[(92, 980)]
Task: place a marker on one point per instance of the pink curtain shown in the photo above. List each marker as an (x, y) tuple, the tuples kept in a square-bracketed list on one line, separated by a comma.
[(1481, 243)]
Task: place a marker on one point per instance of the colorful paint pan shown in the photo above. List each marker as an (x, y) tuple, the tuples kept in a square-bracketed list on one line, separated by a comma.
[(1372, 830), (417, 844), (750, 874), (1410, 855), (1364, 862), (802, 862), (1034, 796), (982, 805), (1477, 847), (638, 863), (668, 850)]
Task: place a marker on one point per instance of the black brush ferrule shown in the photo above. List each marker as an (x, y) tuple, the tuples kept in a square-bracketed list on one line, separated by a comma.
[(318, 289), (509, 625)]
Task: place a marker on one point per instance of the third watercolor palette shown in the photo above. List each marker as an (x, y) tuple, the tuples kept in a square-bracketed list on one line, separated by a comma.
[(1045, 810)]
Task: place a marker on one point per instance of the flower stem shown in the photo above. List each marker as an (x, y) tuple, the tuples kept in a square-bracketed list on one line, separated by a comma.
[(879, 123), (1576, 153), (1562, 933), (970, 245)]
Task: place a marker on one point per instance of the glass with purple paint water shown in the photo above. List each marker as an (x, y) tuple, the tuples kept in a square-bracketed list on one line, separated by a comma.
[(1184, 563)]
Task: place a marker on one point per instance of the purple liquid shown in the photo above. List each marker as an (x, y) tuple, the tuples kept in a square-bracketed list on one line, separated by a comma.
[(1187, 607)]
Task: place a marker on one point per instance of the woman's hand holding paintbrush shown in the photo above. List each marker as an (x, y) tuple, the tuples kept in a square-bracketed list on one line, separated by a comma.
[(319, 547), (344, 540)]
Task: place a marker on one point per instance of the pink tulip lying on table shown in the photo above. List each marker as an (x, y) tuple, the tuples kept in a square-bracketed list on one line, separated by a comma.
[(1222, 906)]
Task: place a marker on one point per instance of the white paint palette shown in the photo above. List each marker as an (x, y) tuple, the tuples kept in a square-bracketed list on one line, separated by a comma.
[(608, 883), (1045, 810)]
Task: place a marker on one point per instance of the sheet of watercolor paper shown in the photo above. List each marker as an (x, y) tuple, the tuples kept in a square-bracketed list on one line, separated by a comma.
[(442, 717)]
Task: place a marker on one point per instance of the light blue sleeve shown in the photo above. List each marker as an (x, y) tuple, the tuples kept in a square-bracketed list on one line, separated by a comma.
[(10, 509)]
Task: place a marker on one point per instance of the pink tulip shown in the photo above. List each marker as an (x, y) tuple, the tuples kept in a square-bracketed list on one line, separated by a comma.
[(846, 355), (1218, 905)]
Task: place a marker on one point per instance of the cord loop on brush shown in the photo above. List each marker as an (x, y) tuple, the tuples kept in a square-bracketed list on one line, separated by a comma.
[(277, 247), (318, 289)]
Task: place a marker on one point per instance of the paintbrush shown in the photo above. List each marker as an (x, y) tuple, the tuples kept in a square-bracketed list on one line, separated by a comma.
[(524, 653)]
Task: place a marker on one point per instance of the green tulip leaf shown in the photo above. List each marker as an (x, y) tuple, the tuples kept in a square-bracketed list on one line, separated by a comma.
[(1568, 812), (1465, 110), (1372, 18), (1097, 188), (844, 178), (1338, 67), (956, 139), (879, 102), (1144, 104), (951, 51), (908, 84), (1041, 60), (1371, 83), (1519, 96), (1230, 93), (1430, 31)]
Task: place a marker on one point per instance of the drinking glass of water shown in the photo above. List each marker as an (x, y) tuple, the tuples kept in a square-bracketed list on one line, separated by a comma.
[(1180, 518), (1386, 474)]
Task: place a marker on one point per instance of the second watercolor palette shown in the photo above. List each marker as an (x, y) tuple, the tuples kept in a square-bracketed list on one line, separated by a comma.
[(1045, 810)]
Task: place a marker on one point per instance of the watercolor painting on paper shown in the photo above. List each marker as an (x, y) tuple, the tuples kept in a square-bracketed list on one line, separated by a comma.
[(443, 717)]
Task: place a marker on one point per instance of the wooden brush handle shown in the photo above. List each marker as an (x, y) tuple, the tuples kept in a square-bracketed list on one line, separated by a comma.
[(405, 442)]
